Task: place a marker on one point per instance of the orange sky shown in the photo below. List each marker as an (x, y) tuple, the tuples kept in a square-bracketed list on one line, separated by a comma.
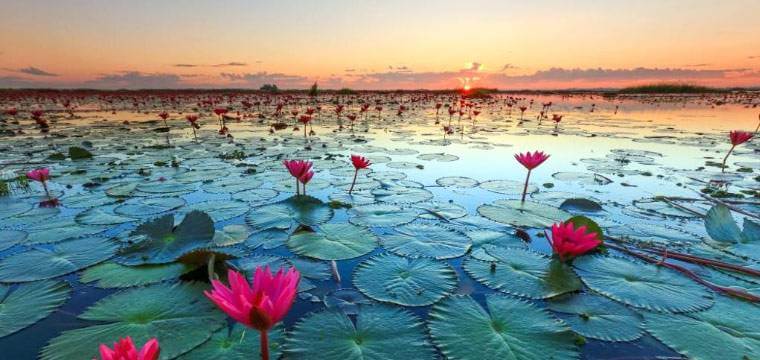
[(378, 44)]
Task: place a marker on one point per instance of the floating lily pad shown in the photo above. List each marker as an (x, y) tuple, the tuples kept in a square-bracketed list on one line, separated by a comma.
[(522, 272), (149, 206), (425, 240), (166, 187), (507, 187), (728, 330), (10, 238), (267, 239), (297, 210), (237, 343), (507, 329), (528, 214), (179, 315), (581, 205), (481, 238), (597, 317), (404, 281), (231, 235), (31, 217), (333, 242), (381, 215), (380, 332), (255, 195), (29, 303), (113, 275), (10, 208), (315, 270), (582, 178), (249, 264), (219, 210), (101, 216), (441, 157), (59, 230), (56, 260), (642, 285), (87, 200), (441, 211), (233, 184), (163, 243), (401, 194), (457, 182)]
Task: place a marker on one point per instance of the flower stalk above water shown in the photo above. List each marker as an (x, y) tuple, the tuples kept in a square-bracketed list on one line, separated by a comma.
[(301, 171), (737, 138), (359, 162), (530, 161), (41, 175), (259, 305)]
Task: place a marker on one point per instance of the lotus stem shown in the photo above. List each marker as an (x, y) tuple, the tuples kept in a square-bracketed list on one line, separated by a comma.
[(723, 167), (264, 344), (688, 273), (298, 187), (525, 188), (47, 192), (210, 268), (353, 182), (336, 274)]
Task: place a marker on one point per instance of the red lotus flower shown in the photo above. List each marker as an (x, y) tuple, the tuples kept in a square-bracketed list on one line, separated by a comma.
[(305, 178), (299, 170), (351, 117), (41, 175), (260, 305), (739, 137), (310, 111), (531, 160), (192, 119), (557, 118), (360, 162), (11, 112), (568, 242), (220, 111), (163, 115), (124, 349)]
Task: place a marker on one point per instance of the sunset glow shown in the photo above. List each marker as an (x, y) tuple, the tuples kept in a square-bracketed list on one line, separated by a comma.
[(377, 44)]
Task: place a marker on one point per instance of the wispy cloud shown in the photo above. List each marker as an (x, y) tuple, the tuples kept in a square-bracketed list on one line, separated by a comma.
[(230, 64), (185, 65), (136, 80), (31, 70)]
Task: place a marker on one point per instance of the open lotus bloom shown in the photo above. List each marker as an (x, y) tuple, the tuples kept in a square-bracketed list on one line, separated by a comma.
[(297, 168), (124, 349), (260, 305), (739, 137), (531, 160), (567, 241), (360, 162), (40, 175)]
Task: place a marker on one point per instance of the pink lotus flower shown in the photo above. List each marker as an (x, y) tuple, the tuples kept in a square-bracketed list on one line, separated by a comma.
[(298, 169), (304, 119), (737, 138), (125, 349), (360, 162), (193, 120), (568, 242), (261, 305), (41, 175), (530, 161)]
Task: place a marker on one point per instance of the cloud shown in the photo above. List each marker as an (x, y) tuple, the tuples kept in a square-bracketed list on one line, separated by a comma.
[(697, 65), (232, 63), (185, 65), (284, 81), (508, 67), (474, 66), (16, 82), (35, 71), (136, 80)]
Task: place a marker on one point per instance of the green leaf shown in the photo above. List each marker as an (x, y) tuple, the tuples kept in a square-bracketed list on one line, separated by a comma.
[(720, 225), (219, 210), (29, 303), (10, 238), (297, 210), (591, 225), (179, 316), (728, 331), (78, 153), (642, 285), (56, 260), (528, 214), (404, 281), (522, 272), (113, 275), (238, 343), (231, 235), (381, 215), (333, 242), (417, 240), (380, 332), (597, 317), (164, 243), (507, 329)]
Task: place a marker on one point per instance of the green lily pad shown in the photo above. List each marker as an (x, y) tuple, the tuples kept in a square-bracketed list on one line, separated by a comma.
[(441, 211), (507, 187), (255, 195), (507, 329), (528, 214), (10, 208), (101, 216), (10, 238), (166, 187), (297, 210), (87, 200), (597, 317), (163, 243), (381, 215), (178, 315), (113, 275), (29, 303), (457, 182), (642, 285), (315, 270), (380, 332), (59, 230), (237, 343), (232, 184), (56, 260), (401, 194), (416, 240), (333, 242), (267, 239), (219, 210), (32, 217), (404, 281), (149, 206), (728, 330), (231, 235), (522, 272)]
